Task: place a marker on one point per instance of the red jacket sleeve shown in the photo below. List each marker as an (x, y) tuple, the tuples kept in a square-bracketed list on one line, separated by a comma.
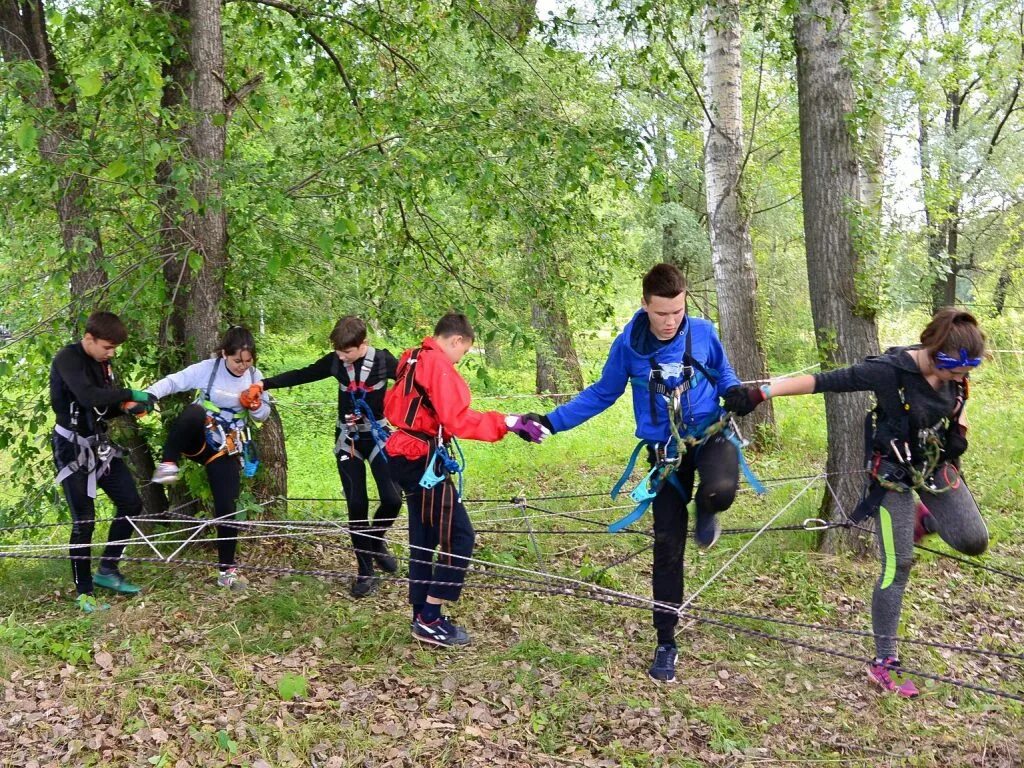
[(450, 398)]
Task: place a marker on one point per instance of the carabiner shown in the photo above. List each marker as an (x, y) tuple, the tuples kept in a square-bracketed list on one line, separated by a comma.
[(817, 524)]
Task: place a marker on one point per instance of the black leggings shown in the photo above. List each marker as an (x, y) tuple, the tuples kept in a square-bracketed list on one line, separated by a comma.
[(187, 436), (717, 463), (352, 471), (119, 485)]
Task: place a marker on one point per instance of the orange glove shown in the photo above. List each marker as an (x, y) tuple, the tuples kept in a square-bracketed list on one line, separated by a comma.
[(252, 398)]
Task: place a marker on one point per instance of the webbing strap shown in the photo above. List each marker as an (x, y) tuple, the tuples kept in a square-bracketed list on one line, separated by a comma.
[(94, 455), (748, 473), (216, 411)]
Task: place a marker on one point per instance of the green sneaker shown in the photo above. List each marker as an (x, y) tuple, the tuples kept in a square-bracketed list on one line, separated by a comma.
[(116, 583), (88, 604)]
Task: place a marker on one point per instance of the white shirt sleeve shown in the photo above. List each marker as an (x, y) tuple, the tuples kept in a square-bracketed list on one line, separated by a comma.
[(194, 377)]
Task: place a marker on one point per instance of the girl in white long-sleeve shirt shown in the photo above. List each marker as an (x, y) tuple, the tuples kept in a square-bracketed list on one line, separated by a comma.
[(211, 431)]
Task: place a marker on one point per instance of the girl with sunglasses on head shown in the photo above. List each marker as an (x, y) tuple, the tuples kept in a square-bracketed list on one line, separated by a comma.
[(920, 432)]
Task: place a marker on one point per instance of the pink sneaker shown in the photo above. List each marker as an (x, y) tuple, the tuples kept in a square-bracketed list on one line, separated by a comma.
[(882, 672), (921, 516)]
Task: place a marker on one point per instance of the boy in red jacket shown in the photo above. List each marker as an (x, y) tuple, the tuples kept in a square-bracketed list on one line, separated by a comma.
[(429, 405)]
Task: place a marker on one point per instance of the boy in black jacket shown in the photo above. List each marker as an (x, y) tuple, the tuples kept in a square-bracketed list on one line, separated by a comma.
[(362, 373), (84, 395)]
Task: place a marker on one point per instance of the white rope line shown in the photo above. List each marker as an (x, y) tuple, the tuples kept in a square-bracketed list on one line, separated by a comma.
[(741, 550)]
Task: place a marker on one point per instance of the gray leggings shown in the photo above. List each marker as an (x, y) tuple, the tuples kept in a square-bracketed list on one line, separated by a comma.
[(957, 520)]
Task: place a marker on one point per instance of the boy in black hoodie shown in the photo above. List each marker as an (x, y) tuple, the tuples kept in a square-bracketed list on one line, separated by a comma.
[(85, 395), (362, 372)]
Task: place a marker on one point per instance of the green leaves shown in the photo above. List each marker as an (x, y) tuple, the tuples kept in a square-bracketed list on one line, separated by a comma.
[(115, 170), (290, 686), (26, 135), (89, 84)]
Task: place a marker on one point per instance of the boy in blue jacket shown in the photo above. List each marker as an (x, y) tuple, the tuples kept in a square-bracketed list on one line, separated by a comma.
[(671, 358)]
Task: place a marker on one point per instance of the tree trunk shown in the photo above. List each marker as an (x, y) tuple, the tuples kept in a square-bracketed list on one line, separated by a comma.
[(174, 240), (208, 227), (732, 254), (558, 366), (843, 323), (1002, 288), (272, 478), (670, 251)]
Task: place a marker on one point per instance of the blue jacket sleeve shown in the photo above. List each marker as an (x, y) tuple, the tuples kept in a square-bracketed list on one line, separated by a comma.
[(727, 377), (600, 395)]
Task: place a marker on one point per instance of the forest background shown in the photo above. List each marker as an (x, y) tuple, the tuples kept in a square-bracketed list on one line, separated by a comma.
[(825, 173)]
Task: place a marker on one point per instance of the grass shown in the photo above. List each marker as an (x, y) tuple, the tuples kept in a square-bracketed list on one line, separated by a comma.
[(550, 680)]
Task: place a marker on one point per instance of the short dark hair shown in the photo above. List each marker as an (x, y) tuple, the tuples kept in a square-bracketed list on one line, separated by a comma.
[(454, 324), (951, 330), (235, 339), (349, 331), (664, 280), (106, 326)]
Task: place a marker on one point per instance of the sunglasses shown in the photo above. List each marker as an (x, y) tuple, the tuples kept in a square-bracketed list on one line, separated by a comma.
[(946, 362)]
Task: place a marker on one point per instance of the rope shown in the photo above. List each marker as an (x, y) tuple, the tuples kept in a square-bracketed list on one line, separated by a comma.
[(597, 594), (693, 595)]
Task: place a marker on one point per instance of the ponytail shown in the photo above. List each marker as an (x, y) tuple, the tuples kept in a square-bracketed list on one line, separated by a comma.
[(952, 330)]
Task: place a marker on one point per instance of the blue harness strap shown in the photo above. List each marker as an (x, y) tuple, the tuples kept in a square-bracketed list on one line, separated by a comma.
[(378, 431), (654, 481), (449, 466), (748, 473)]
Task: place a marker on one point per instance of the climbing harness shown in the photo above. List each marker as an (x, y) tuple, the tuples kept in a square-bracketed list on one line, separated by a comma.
[(94, 453), (667, 457), (361, 420), (908, 467), (442, 464), (227, 431)]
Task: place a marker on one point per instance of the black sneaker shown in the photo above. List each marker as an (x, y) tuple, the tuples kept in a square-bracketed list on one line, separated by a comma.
[(439, 632), (363, 586), (384, 559), (706, 529), (663, 670)]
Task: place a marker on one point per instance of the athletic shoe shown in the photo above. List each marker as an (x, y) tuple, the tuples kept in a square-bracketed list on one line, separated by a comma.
[(439, 632), (883, 673), (115, 582), (384, 559), (166, 472), (922, 520), (707, 529), (88, 604), (663, 670), (232, 579), (362, 586)]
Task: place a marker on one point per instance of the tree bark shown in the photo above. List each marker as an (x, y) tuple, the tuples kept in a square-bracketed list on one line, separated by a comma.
[(208, 226), (174, 238), (843, 321), (558, 365), (272, 478), (732, 254), (670, 250)]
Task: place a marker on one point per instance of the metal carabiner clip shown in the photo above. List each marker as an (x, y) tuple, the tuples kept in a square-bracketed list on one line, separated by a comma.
[(816, 524), (903, 458)]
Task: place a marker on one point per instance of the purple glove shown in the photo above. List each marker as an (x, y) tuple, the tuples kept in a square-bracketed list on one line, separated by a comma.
[(527, 428)]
